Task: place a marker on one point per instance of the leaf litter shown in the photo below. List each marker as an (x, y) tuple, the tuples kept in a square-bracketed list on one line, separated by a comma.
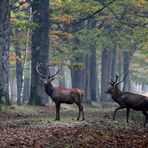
[(38, 130)]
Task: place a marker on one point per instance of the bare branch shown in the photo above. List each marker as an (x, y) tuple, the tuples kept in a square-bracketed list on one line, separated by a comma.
[(90, 16), (119, 19)]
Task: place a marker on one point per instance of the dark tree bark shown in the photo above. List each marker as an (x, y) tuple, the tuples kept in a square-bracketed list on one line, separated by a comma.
[(75, 78), (93, 66), (93, 77), (108, 69), (126, 62), (90, 70), (40, 49), (78, 75), (4, 50), (87, 81), (104, 73), (113, 61)]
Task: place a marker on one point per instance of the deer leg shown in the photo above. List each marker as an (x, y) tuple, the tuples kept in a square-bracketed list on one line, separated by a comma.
[(146, 117), (79, 111), (57, 111), (127, 114), (114, 114), (83, 118)]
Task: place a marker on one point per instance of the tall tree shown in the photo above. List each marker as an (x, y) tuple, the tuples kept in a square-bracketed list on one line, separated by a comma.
[(40, 49), (93, 63), (4, 50), (104, 72), (126, 63), (19, 73)]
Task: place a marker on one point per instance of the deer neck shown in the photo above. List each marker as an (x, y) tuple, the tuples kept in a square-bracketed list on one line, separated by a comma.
[(49, 89), (116, 94)]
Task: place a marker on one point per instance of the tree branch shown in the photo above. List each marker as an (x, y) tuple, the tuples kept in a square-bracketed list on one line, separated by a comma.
[(90, 16), (120, 21), (132, 25)]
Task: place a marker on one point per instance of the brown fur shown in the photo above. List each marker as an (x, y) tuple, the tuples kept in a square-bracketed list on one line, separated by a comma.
[(128, 100), (62, 95)]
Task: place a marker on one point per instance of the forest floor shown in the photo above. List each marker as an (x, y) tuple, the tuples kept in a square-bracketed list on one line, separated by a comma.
[(34, 127)]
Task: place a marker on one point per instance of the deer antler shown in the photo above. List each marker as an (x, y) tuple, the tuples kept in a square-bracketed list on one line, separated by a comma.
[(114, 82), (37, 69), (116, 78), (59, 69), (122, 79)]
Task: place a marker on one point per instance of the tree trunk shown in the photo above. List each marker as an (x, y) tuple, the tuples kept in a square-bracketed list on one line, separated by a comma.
[(40, 50), (13, 88), (104, 73), (4, 50), (19, 75), (87, 81), (93, 77), (78, 75), (26, 90), (126, 63), (26, 69), (62, 79), (108, 68), (113, 61), (93, 65)]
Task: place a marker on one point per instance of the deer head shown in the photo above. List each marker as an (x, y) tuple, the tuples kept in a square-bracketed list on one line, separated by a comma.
[(46, 79), (114, 85)]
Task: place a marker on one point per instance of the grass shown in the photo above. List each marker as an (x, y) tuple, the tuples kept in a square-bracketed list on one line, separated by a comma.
[(19, 109), (42, 116)]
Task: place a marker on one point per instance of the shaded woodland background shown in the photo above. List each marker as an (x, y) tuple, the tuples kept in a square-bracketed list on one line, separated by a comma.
[(92, 40)]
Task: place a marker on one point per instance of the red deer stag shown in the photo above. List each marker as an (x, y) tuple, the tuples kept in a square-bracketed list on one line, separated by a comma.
[(62, 95), (127, 99)]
